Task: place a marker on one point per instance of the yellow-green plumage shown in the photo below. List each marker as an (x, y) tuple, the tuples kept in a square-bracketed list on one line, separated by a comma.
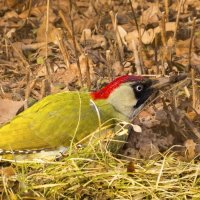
[(53, 121)]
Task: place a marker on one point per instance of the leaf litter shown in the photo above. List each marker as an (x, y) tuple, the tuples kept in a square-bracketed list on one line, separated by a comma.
[(85, 45)]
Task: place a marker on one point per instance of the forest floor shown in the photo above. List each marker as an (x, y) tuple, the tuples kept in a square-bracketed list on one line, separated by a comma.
[(83, 45)]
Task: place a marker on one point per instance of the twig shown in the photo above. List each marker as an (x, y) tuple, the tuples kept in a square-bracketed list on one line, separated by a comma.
[(28, 90), (63, 50), (29, 86), (191, 43), (118, 38), (135, 19), (137, 58), (30, 2), (164, 42), (6, 45), (177, 20), (163, 30), (156, 53), (88, 79), (47, 28), (75, 46), (108, 59), (166, 2), (46, 37), (193, 89), (61, 14), (44, 88), (140, 38), (176, 26), (20, 55)]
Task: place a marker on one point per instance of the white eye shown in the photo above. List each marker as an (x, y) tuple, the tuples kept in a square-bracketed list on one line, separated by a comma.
[(139, 88)]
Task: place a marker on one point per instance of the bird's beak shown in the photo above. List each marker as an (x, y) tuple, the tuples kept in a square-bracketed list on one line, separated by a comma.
[(154, 85), (163, 82)]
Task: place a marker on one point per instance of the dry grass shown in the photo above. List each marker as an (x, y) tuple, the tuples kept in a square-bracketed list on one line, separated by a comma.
[(92, 173)]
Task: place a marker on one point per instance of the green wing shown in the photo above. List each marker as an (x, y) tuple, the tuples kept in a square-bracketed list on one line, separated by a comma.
[(53, 121)]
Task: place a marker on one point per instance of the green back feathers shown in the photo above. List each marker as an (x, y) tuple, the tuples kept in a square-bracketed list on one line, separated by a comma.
[(53, 122)]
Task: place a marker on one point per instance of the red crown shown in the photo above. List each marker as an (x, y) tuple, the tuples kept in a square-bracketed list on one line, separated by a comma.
[(108, 89)]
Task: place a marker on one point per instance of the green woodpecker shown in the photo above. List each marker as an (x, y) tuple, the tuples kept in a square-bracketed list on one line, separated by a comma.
[(58, 119)]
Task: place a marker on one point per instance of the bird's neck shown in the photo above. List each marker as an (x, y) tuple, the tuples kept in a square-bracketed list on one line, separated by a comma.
[(122, 99)]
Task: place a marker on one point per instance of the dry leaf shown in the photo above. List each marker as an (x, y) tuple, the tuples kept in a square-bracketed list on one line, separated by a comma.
[(35, 11), (151, 15), (86, 35), (81, 24), (7, 171), (8, 109), (11, 14), (182, 47), (52, 33), (190, 147), (136, 128), (10, 3), (169, 27), (147, 36), (122, 34), (94, 41)]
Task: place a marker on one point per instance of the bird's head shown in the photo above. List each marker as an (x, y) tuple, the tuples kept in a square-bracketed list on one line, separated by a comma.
[(127, 94)]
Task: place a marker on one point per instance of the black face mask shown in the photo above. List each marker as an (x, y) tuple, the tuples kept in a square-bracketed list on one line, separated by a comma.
[(142, 91)]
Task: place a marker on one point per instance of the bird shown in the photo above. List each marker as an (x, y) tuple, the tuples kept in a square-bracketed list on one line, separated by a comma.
[(69, 116)]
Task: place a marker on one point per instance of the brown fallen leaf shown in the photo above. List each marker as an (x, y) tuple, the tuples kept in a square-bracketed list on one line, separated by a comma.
[(7, 171), (35, 11), (190, 149), (182, 47), (147, 36), (8, 109), (151, 15)]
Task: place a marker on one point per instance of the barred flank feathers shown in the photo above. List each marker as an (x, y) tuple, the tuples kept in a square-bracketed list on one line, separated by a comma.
[(24, 151)]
